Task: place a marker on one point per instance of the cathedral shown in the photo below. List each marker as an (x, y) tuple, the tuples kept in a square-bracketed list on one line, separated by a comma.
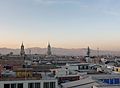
[(49, 50), (22, 52)]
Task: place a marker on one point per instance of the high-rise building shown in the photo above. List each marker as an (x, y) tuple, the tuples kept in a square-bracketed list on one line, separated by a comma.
[(49, 50), (22, 52)]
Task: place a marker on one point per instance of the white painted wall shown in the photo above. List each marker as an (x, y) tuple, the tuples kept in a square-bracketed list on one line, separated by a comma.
[(25, 82)]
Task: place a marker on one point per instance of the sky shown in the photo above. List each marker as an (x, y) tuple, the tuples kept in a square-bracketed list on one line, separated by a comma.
[(63, 23)]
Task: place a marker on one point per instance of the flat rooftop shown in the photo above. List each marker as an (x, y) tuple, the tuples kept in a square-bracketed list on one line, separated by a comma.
[(107, 86)]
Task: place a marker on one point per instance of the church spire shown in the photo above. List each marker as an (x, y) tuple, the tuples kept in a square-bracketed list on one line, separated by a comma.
[(22, 44), (49, 49), (22, 52), (88, 51)]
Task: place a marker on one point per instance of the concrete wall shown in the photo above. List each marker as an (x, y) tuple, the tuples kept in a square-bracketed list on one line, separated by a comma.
[(25, 82)]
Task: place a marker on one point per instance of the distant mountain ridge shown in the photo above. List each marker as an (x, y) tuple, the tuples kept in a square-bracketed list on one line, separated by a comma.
[(59, 51)]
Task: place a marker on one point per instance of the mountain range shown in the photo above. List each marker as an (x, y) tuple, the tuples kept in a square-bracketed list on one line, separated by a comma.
[(59, 51)]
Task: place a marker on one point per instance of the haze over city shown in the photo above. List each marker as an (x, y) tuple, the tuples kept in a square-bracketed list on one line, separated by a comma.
[(63, 23), (59, 43)]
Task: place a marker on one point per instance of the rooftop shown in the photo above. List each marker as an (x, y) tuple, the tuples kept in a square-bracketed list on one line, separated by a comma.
[(80, 83), (107, 86)]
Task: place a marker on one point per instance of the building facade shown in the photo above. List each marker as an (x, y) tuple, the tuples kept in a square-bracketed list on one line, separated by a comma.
[(29, 84)]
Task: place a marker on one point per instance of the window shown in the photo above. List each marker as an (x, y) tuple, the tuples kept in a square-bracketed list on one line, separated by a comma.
[(46, 85), (80, 67), (6, 85), (37, 85), (13, 85), (33, 85), (85, 67), (52, 84), (20, 85), (30, 85)]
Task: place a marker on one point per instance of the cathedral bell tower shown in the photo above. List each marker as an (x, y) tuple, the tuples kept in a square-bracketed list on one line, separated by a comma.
[(22, 52), (88, 51), (49, 50)]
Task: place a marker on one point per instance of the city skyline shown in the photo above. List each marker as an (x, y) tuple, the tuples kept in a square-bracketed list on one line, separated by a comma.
[(63, 23)]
